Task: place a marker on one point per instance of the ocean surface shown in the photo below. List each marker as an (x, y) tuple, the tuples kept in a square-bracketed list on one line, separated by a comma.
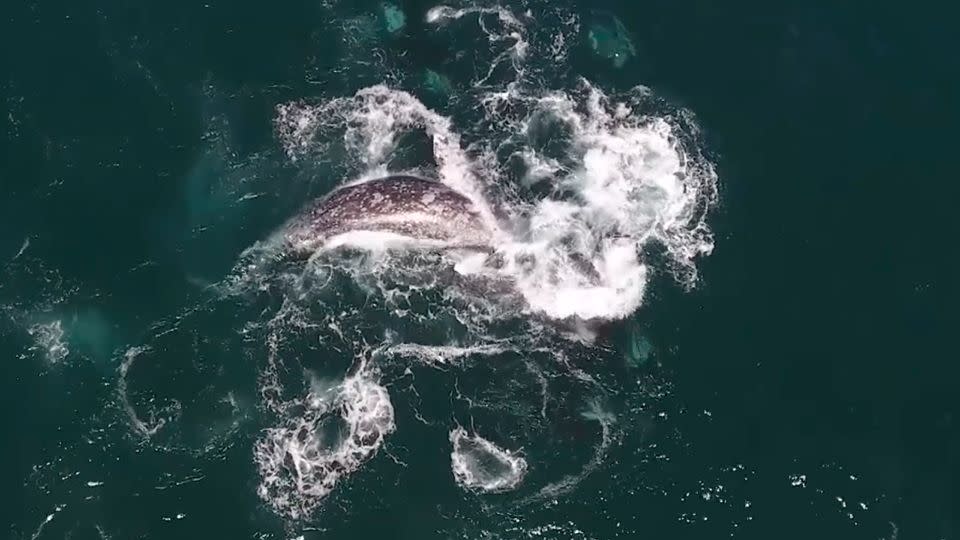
[(717, 305)]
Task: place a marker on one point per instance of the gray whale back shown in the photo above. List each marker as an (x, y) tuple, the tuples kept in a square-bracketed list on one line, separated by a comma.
[(409, 206)]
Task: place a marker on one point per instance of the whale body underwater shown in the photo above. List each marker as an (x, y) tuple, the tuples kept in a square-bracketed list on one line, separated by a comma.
[(409, 212), (409, 209)]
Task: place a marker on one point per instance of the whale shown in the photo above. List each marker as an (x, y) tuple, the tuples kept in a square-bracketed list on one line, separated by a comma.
[(415, 211)]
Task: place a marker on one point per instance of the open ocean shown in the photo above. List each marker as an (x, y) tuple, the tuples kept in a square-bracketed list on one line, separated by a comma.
[(718, 305)]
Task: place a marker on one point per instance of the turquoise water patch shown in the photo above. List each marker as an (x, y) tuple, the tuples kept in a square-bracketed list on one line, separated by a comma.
[(641, 350), (393, 18), (610, 39), (637, 348), (92, 333), (437, 82)]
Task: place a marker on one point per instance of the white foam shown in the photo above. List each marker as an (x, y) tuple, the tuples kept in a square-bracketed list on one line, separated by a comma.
[(634, 185), (627, 182), (539, 167), (299, 467), (443, 354), (49, 339), (23, 247), (36, 534), (149, 427), (480, 465), (471, 263), (297, 124)]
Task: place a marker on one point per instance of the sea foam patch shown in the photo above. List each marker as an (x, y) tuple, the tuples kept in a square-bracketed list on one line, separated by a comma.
[(481, 465), (303, 460)]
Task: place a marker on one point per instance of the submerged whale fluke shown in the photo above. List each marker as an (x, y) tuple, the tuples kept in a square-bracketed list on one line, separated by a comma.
[(399, 207)]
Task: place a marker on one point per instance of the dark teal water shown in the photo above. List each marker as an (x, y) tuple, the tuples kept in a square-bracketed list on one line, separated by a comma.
[(803, 388)]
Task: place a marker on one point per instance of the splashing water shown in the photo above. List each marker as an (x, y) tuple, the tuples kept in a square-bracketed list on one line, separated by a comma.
[(628, 183)]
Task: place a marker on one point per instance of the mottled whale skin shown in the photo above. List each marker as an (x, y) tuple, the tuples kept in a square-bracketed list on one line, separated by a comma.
[(423, 211)]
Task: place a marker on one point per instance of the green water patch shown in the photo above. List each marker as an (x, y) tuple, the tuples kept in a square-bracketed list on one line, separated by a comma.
[(394, 20), (437, 83), (610, 39), (637, 347), (90, 332)]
